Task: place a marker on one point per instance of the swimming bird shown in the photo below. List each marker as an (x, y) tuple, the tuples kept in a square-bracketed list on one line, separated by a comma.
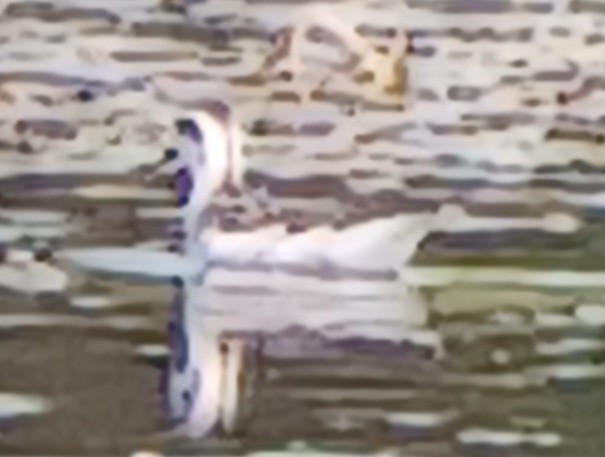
[(353, 263)]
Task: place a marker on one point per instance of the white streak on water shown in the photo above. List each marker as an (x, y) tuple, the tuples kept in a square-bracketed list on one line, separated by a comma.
[(93, 302), (500, 357), (146, 454), (131, 261), (123, 192), (567, 372), (57, 320), (152, 350), (34, 217), (591, 315), (12, 405), (32, 277), (314, 453), (569, 346), (506, 438), (421, 419), (505, 381), (11, 233), (535, 196), (554, 320)]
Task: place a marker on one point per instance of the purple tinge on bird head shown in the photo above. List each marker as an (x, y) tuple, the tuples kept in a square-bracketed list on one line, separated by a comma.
[(183, 183)]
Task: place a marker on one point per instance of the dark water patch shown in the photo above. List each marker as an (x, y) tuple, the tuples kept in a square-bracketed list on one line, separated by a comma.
[(427, 95), (221, 61), (370, 105), (487, 450), (371, 30), (285, 97), (582, 422), (393, 132), (452, 129), (480, 6), (37, 182), (49, 128), (557, 134), (214, 37), (188, 76), (577, 120), (571, 73), (425, 51), (359, 379), (151, 56), (432, 182), (589, 85), (594, 214), (7, 145), (397, 352), (559, 31), (590, 357), (530, 262), (49, 12), (577, 166), (71, 203), (462, 93), (576, 386), (522, 34), (594, 38), (81, 372), (511, 80), (98, 30), (93, 86), (512, 118), (463, 6), (505, 239), (586, 6)]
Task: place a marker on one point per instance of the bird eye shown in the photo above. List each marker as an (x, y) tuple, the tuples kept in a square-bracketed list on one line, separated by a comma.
[(170, 154)]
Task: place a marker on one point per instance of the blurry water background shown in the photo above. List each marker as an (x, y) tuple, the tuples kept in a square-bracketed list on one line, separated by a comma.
[(502, 118)]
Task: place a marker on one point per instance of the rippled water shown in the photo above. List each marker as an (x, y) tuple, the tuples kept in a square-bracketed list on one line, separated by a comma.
[(487, 341)]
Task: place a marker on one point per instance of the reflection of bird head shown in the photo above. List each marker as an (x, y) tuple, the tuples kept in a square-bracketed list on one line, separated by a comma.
[(203, 390)]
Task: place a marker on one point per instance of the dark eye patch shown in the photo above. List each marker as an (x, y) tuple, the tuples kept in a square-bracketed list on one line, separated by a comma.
[(189, 128)]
